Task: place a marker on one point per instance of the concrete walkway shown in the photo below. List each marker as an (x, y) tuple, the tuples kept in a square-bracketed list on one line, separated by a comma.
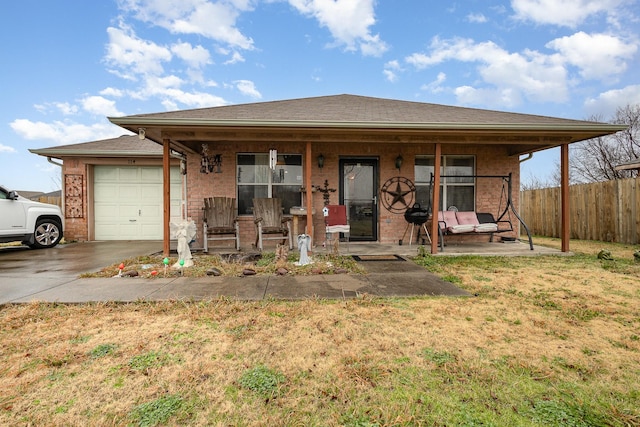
[(52, 275)]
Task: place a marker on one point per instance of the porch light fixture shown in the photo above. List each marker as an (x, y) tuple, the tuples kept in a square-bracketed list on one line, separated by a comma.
[(399, 161), (141, 133), (320, 161)]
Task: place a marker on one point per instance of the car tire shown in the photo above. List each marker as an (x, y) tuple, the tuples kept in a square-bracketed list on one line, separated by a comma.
[(47, 234)]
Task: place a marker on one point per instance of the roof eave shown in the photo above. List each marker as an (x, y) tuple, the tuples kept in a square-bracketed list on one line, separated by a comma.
[(60, 154), (128, 122)]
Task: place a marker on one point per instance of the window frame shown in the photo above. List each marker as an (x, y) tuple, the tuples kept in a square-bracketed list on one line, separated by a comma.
[(270, 175), (446, 184)]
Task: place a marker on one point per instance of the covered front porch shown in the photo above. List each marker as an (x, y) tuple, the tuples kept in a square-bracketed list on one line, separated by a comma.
[(381, 149)]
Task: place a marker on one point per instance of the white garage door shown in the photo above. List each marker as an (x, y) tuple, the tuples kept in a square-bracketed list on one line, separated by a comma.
[(128, 202)]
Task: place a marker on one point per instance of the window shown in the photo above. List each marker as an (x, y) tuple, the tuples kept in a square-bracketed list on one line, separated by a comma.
[(459, 192), (256, 179)]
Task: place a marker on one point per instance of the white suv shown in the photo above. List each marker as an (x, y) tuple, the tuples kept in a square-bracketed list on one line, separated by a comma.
[(38, 225)]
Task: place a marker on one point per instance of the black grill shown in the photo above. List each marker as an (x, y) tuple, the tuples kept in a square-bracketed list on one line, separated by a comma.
[(416, 215)]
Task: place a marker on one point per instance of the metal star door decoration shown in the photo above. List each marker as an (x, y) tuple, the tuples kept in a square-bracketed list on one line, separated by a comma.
[(397, 194)]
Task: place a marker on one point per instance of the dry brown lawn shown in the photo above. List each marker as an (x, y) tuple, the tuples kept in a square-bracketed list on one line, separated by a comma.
[(544, 341)]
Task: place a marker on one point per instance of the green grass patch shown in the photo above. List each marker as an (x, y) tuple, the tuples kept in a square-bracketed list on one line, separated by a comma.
[(265, 382), (156, 412), (102, 350), (150, 360)]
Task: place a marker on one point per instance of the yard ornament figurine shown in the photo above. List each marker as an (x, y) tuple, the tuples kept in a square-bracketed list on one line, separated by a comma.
[(304, 244), (184, 232)]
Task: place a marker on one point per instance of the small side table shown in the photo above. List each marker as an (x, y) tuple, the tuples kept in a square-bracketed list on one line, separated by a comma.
[(296, 212)]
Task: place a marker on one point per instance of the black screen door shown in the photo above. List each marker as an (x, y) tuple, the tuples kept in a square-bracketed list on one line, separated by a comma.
[(358, 192)]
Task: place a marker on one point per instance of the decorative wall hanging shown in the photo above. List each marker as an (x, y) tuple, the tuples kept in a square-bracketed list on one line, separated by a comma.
[(73, 191), (326, 191), (397, 194), (210, 164)]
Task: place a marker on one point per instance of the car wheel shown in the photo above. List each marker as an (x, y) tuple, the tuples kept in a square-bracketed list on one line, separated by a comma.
[(47, 234)]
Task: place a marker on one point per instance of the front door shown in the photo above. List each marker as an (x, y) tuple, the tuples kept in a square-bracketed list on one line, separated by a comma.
[(359, 193)]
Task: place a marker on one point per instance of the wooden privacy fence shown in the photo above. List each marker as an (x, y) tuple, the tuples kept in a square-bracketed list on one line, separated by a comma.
[(51, 200), (604, 211)]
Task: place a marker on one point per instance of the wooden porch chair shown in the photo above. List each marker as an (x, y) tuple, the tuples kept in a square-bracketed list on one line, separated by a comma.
[(270, 222), (220, 222)]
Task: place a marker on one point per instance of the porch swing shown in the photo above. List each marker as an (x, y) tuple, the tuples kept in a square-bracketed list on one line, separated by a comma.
[(453, 222)]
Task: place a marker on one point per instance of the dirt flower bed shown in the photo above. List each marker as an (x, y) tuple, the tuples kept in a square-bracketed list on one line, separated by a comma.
[(235, 264)]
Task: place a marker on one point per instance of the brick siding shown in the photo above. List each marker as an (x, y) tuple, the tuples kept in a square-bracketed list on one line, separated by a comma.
[(490, 160)]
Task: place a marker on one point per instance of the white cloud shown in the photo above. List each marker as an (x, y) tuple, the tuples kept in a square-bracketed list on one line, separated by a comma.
[(6, 149), (348, 21), (235, 58), (66, 108), (568, 13), (64, 132), (476, 18), (155, 85), (510, 76), (192, 99), (390, 70), (597, 56), (436, 85), (248, 88), (113, 92), (132, 56), (504, 97), (100, 106), (196, 57), (214, 20), (607, 102)]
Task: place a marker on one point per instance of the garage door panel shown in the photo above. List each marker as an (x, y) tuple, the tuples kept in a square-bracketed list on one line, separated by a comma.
[(148, 231), (150, 193), (128, 174), (151, 211), (128, 212), (151, 175), (103, 174), (106, 211), (129, 231), (104, 191), (128, 202), (128, 192)]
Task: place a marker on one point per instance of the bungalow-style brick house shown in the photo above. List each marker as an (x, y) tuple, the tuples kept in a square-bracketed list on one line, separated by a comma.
[(355, 150)]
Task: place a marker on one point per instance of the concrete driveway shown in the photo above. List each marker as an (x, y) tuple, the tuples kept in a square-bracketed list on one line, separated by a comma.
[(25, 271)]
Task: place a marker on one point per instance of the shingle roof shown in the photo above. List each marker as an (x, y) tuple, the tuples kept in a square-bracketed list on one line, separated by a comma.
[(123, 146), (353, 108)]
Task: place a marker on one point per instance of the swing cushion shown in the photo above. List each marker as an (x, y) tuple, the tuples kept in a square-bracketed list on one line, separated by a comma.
[(451, 223), (465, 222), (487, 224)]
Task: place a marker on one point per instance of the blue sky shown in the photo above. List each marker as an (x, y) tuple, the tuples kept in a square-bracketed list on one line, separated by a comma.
[(69, 64)]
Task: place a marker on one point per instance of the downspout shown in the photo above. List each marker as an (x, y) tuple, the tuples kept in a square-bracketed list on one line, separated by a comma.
[(53, 163)]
